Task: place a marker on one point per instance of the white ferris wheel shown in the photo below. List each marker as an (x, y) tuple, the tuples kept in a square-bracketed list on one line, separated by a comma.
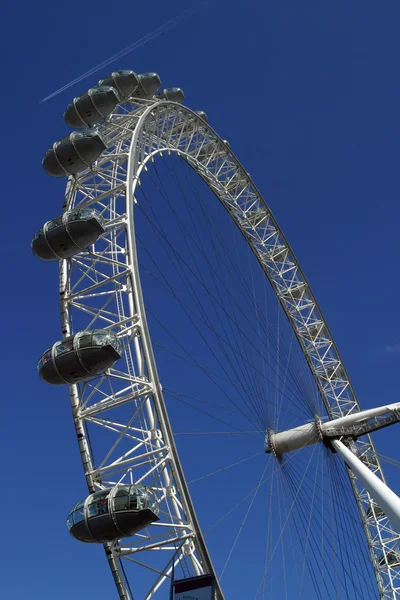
[(277, 490)]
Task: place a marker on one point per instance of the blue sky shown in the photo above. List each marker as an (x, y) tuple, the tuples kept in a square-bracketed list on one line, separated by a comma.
[(307, 93)]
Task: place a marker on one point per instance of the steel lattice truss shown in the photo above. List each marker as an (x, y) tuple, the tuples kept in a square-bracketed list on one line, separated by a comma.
[(101, 288)]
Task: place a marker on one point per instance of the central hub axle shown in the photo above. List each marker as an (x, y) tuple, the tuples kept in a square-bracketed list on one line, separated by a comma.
[(293, 439), (350, 426)]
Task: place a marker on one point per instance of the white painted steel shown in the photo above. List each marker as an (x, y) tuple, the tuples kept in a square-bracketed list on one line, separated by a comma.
[(388, 501), (364, 415), (294, 439)]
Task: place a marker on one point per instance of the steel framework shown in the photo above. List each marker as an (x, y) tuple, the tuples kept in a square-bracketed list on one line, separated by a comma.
[(101, 288)]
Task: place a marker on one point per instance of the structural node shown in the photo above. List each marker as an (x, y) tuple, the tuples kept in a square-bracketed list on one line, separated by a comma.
[(93, 106), (126, 82), (68, 235), (113, 514), (79, 356), (74, 153)]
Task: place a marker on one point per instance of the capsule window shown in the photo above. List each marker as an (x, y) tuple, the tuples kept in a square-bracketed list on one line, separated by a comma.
[(139, 498), (78, 514), (113, 340), (100, 338), (98, 504), (74, 215), (37, 235), (151, 501), (105, 338), (135, 501), (54, 223), (82, 213), (64, 346), (85, 340), (121, 499)]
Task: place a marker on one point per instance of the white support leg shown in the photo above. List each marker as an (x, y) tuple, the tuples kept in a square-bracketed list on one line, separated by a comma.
[(387, 500)]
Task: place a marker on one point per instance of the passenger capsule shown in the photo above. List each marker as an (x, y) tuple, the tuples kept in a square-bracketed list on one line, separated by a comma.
[(113, 514), (202, 115), (68, 235), (126, 82), (148, 85), (92, 107), (74, 153), (80, 356), (172, 94)]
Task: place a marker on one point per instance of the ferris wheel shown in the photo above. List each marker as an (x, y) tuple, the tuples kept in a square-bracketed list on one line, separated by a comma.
[(239, 345)]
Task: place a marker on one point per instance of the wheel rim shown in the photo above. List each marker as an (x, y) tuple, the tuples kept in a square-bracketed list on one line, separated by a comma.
[(155, 125)]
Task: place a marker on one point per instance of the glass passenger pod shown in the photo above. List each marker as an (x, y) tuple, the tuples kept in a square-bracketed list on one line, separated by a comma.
[(148, 85), (93, 106), (113, 514), (68, 235), (172, 94), (126, 82), (131, 85), (79, 357), (202, 115), (74, 153)]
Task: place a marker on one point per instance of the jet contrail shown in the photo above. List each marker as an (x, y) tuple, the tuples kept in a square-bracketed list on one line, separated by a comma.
[(143, 40)]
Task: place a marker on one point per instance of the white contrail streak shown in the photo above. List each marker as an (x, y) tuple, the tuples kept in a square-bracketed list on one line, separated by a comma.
[(143, 40)]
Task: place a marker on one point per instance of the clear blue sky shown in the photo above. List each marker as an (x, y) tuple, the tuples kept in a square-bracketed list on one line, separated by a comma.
[(308, 95)]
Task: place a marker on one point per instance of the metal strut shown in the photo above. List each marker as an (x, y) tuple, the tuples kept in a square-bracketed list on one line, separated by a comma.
[(387, 500)]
